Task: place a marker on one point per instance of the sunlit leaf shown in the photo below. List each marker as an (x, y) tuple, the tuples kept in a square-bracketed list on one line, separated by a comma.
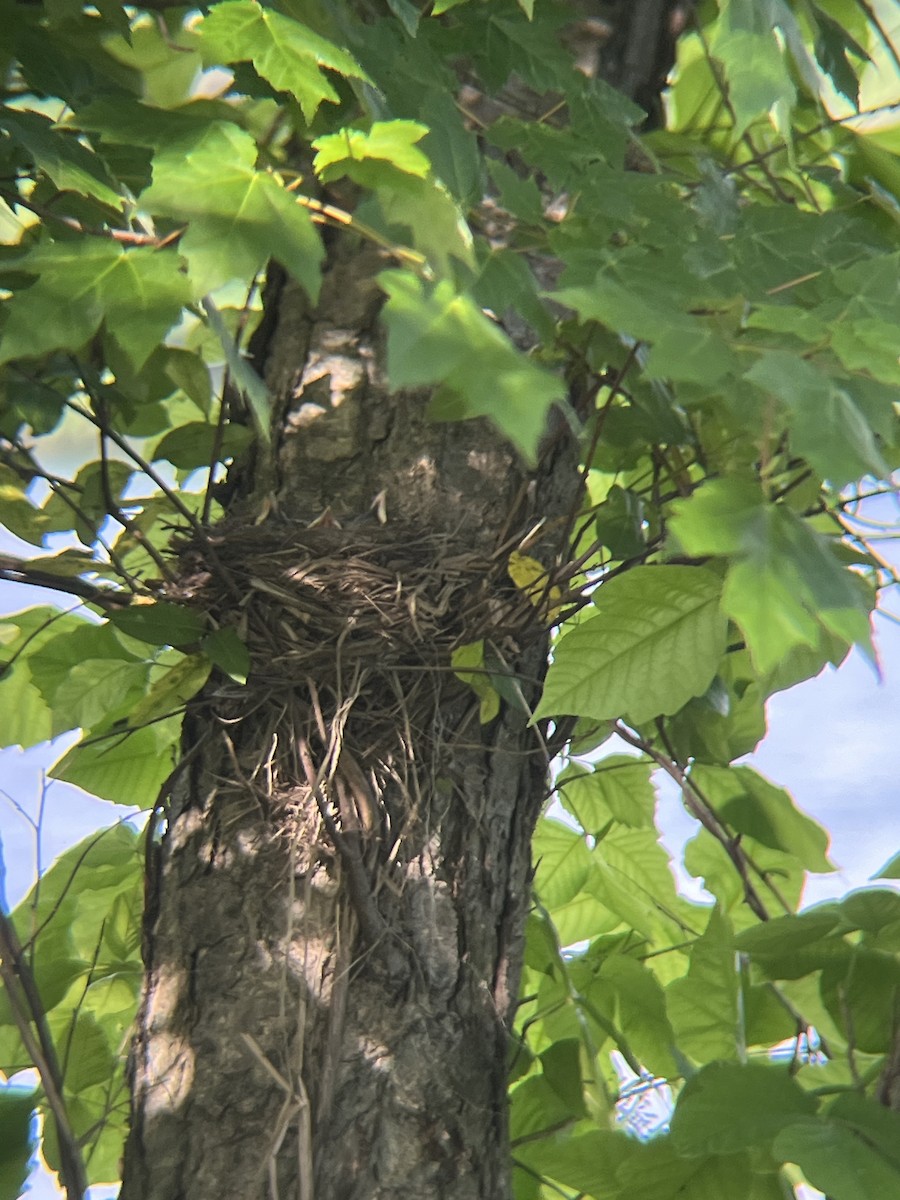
[(236, 216), (703, 1006), (292, 57), (655, 641)]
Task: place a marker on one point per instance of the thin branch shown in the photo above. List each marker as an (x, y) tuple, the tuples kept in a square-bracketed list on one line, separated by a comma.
[(225, 405), (126, 237), (61, 492), (10, 662), (705, 815), (114, 508), (28, 1010), (18, 570), (153, 475)]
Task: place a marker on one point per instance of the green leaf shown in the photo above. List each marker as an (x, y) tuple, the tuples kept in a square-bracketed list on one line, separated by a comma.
[(703, 1006), (728, 1107), (425, 207), (96, 689), (61, 156), (618, 789), (289, 55), (620, 523), (586, 1161), (641, 1012), (30, 636), (437, 336), (860, 992), (160, 624), (706, 858), (468, 665), (193, 444), (52, 661), (252, 389), (826, 427), (563, 862), (719, 517), (890, 870), (698, 355), (91, 1059), (561, 1068), (840, 1159), (657, 1172), (127, 767), (407, 13), (17, 1140), (783, 936), (507, 285), (832, 44), (347, 151), (27, 717), (655, 642), (753, 806), (74, 905), (638, 311), (225, 650), (633, 878), (237, 217), (756, 72), (788, 586), (171, 691), (136, 293)]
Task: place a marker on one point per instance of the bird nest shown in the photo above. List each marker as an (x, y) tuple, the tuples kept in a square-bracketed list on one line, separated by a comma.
[(350, 634)]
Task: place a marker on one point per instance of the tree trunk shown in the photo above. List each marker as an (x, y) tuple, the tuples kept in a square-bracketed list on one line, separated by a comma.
[(339, 877), (336, 906)]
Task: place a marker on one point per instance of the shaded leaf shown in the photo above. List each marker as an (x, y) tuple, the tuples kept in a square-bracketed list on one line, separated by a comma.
[(160, 623), (838, 1158), (17, 1138), (226, 651), (751, 805), (727, 1107), (71, 165)]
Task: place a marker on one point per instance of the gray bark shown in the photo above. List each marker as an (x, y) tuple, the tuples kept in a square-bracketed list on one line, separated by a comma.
[(329, 989)]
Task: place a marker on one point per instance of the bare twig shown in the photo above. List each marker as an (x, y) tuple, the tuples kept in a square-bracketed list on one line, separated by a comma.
[(703, 813), (28, 1011)]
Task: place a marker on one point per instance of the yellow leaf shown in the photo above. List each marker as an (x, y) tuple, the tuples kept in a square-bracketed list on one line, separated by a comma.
[(472, 656), (530, 577)]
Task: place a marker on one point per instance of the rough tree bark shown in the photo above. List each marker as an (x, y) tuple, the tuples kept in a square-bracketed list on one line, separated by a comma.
[(339, 875)]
